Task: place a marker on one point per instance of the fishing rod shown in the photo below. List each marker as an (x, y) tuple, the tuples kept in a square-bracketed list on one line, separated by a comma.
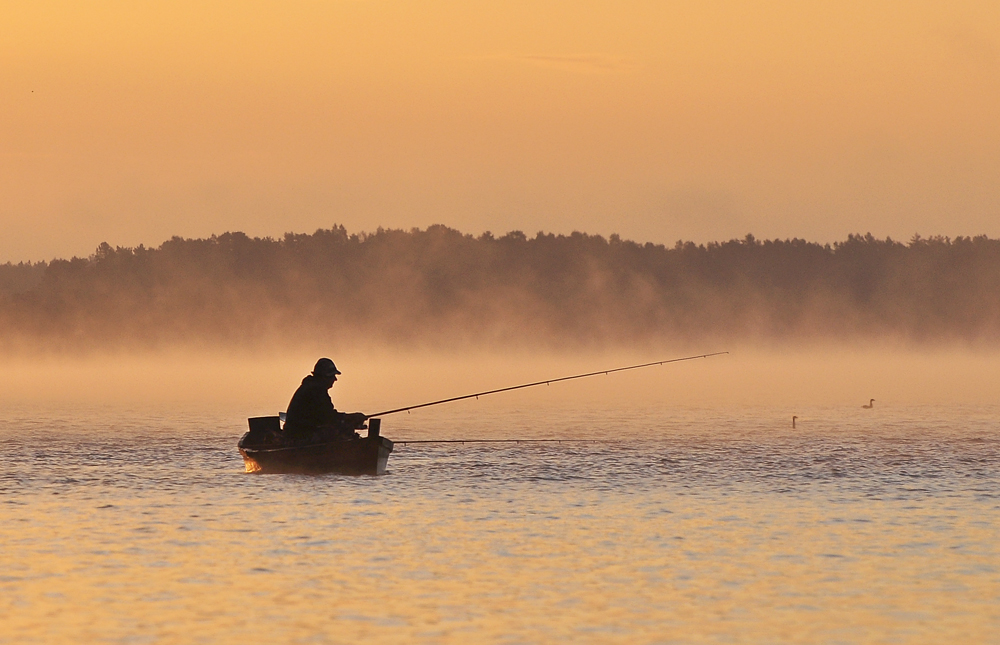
[(554, 380), (404, 442)]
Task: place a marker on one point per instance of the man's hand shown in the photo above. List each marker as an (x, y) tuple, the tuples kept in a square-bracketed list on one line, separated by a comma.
[(355, 419)]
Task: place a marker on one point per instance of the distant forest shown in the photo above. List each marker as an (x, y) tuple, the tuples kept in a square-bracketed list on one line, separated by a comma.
[(438, 287)]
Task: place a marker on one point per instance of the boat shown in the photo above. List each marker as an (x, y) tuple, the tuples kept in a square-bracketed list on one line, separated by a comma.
[(263, 452)]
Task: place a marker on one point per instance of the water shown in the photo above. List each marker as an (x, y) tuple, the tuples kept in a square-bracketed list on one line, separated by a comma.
[(124, 526)]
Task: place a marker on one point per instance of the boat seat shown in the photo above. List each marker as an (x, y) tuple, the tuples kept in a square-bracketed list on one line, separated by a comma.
[(263, 427)]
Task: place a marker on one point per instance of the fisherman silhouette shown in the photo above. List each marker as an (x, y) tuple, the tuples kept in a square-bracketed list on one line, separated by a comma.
[(311, 415)]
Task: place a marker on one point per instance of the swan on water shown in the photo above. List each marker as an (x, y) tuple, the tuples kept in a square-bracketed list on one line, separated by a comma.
[(869, 406)]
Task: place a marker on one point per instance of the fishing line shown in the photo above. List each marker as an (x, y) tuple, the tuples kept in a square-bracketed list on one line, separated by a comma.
[(546, 382)]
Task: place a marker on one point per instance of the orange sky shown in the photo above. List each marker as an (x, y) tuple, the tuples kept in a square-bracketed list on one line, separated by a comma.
[(130, 122)]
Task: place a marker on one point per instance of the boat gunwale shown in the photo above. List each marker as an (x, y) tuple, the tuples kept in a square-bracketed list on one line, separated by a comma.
[(334, 442)]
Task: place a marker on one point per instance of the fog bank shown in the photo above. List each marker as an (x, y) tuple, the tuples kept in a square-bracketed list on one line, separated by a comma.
[(257, 384), (442, 290)]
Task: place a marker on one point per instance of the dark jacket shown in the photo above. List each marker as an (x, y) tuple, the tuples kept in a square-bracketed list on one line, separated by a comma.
[(310, 409)]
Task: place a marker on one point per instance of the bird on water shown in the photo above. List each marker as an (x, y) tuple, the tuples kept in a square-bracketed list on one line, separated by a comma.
[(869, 406), (793, 422)]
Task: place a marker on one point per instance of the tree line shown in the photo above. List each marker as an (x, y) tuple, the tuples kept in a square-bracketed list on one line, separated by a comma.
[(440, 287)]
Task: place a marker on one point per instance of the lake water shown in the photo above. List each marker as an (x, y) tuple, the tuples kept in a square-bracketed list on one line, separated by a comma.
[(873, 526)]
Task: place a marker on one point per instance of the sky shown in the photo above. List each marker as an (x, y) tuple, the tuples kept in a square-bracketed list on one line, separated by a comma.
[(132, 122)]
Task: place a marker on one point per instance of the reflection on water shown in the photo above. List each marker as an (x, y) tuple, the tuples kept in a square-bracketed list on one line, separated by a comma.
[(696, 527)]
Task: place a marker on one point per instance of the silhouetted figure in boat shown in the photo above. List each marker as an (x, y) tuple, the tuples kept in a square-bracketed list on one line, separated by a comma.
[(311, 415), (871, 404)]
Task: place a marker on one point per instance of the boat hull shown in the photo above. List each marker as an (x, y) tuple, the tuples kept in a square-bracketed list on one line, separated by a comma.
[(367, 456)]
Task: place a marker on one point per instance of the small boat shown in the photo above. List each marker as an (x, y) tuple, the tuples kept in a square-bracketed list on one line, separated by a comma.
[(351, 456)]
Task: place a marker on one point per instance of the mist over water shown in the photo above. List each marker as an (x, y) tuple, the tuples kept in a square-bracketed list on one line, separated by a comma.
[(377, 379), (440, 289)]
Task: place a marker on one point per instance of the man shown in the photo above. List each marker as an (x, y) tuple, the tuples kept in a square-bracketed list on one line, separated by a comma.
[(311, 414)]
